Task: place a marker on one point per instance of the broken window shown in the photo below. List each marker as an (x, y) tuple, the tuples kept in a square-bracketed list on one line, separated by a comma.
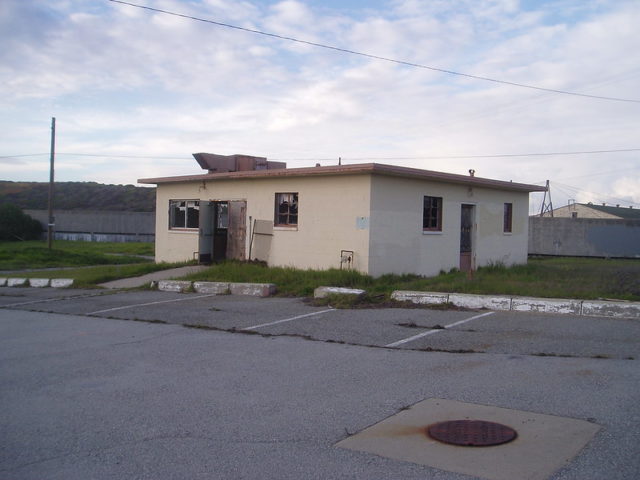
[(286, 209), (184, 214), (432, 214), (508, 218)]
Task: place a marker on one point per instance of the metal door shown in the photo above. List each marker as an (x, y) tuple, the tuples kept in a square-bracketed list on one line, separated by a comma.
[(237, 233), (466, 238)]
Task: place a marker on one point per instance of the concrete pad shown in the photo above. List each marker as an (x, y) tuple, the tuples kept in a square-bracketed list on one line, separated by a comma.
[(39, 282), (544, 444), (16, 282), (61, 282), (611, 309), (546, 305), (423, 298), (174, 285), (218, 288), (480, 301), (323, 292)]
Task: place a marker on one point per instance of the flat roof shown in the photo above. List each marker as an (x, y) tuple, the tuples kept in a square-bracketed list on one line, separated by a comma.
[(362, 168)]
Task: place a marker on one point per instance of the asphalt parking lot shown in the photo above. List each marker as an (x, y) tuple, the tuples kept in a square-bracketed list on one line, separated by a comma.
[(453, 331), (111, 385)]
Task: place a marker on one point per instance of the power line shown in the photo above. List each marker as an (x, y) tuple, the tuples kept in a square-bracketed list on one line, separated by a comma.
[(499, 155), (423, 157), (123, 156), (375, 57), (599, 197), (106, 155), (27, 155)]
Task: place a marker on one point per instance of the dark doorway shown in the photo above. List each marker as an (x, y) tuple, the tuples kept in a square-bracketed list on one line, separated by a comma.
[(222, 230), (466, 237)]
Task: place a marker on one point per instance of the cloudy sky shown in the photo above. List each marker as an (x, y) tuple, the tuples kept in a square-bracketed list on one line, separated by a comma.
[(135, 92)]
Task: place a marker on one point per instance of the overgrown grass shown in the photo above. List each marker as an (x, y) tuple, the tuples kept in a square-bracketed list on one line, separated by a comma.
[(290, 281), (550, 277), (579, 278), (35, 254)]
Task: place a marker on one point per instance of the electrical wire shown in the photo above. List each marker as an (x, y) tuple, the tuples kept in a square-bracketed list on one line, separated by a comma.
[(26, 155), (422, 157), (499, 155), (572, 192), (106, 155), (376, 57)]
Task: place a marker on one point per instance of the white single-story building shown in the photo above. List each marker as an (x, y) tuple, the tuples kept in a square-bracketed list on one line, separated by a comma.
[(373, 218)]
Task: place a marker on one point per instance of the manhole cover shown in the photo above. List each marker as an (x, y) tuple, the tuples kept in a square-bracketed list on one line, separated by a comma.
[(471, 433)]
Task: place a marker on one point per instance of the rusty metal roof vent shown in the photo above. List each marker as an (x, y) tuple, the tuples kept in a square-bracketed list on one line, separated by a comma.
[(215, 163), (471, 433)]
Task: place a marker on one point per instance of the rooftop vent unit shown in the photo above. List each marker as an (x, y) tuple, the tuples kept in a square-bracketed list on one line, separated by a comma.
[(234, 163)]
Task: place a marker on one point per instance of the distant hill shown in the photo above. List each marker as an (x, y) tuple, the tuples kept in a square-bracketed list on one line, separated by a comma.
[(79, 196)]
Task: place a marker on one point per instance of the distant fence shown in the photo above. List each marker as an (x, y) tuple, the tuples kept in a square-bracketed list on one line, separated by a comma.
[(584, 237), (97, 226)]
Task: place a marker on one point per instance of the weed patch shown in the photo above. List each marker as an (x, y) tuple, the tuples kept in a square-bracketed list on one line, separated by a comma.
[(35, 254)]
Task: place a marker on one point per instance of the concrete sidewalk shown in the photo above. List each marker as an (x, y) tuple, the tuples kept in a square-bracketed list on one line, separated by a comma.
[(136, 282)]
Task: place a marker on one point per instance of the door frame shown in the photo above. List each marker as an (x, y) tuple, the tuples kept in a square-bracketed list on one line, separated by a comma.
[(233, 245), (467, 259)]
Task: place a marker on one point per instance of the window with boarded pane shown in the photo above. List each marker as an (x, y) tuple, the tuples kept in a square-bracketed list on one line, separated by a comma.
[(184, 214), (432, 214), (508, 218), (286, 210)]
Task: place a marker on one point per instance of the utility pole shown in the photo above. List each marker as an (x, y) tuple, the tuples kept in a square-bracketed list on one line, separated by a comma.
[(547, 206), (51, 223)]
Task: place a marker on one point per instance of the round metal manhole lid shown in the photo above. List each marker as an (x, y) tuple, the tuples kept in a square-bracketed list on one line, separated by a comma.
[(471, 433)]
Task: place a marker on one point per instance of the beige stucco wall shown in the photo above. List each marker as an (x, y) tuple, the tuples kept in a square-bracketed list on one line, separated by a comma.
[(329, 208), (398, 244), (378, 217)]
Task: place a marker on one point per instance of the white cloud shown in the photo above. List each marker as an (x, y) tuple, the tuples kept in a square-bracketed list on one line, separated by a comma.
[(127, 81)]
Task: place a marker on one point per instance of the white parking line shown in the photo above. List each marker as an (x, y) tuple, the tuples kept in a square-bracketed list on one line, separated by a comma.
[(56, 299), (431, 332), (287, 319), (150, 303)]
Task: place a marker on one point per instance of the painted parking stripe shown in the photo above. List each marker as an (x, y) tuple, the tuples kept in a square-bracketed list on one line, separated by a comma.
[(57, 299), (150, 303), (431, 332), (287, 319)]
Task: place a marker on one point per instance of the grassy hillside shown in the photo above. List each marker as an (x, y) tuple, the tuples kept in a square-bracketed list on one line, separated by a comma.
[(79, 196)]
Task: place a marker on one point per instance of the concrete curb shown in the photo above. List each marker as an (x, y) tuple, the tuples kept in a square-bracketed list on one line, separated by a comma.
[(39, 282), (252, 289), (36, 282), (174, 285), (219, 288), (590, 308), (323, 292)]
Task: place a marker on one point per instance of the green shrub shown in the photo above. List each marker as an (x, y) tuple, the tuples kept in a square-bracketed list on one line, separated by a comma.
[(16, 225)]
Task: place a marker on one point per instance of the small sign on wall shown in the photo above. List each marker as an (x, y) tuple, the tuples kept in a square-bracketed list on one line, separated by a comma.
[(362, 223)]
